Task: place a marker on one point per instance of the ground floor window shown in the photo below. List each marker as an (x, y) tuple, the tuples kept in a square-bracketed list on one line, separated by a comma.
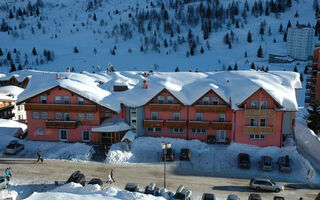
[(221, 135), (85, 135), (40, 131), (154, 130), (198, 131), (63, 134), (256, 137), (175, 130)]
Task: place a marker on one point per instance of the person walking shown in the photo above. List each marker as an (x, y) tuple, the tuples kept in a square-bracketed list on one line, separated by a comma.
[(109, 178), (111, 174), (8, 173), (39, 156)]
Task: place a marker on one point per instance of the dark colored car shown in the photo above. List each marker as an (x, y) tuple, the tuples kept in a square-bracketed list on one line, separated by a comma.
[(132, 187), (96, 181), (284, 164), (152, 189), (266, 163), (318, 197), (254, 197), (77, 177), (244, 161), (233, 197), (14, 147), (185, 154), (169, 155), (208, 196), (278, 198), (182, 194)]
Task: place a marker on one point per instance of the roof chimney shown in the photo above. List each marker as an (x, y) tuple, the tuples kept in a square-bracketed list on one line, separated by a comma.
[(145, 84)]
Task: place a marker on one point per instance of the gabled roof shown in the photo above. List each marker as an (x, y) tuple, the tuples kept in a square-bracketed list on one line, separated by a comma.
[(260, 89), (165, 90), (213, 93)]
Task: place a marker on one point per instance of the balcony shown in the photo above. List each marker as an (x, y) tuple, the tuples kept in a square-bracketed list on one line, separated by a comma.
[(61, 107), (165, 107), (221, 125), (310, 86), (62, 124), (176, 124), (259, 112), (199, 124), (257, 129), (311, 80), (153, 123), (211, 108)]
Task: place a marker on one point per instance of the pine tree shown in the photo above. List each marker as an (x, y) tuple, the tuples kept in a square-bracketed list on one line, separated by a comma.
[(165, 43), (11, 14), (252, 66), (94, 17), (280, 28), (201, 50), (13, 67), (288, 25), (226, 39), (34, 51), (296, 15), (249, 37), (301, 77), (259, 52), (75, 50), (245, 54), (9, 56), (1, 53), (295, 69), (229, 68), (267, 69), (313, 117), (20, 67), (274, 40), (235, 66), (230, 45), (285, 36), (269, 31), (177, 69), (305, 71)]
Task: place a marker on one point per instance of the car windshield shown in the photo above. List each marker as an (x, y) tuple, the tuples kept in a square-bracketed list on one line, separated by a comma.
[(11, 146), (273, 183)]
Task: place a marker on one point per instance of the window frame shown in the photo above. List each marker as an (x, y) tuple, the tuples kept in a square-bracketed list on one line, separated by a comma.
[(160, 99), (205, 100), (90, 118), (38, 132), (170, 99), (45, 99), (256, 102), (67, 135), (55, 116), (174, 116), (256, 122), (261, 103), (79, 102), (64, 98), (152, 114), (199, 116), (56, 101), (44, 116), (215, 100), (34, 115), (265, 122), (82, 135), (80, 118), (224, 117), (64, 116)]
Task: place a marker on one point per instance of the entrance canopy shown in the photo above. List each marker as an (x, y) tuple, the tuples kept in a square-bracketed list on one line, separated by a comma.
[(108, 126)]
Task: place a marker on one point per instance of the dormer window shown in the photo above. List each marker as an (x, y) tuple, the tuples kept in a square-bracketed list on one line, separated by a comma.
[(80, 100), (205, 100), (170, 100), (160, 99), (66, 99), (264, 104), (215, 100), (254, 104), (43, 99), (58, 99)]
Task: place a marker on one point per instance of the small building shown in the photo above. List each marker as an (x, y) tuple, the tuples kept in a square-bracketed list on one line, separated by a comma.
[(8, 107)]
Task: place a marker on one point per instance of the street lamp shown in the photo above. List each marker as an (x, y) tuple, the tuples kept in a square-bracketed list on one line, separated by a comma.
[(164, 147)]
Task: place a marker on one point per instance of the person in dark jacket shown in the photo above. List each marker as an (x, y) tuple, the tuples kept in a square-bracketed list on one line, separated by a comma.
[(111, 174), (39, 156)]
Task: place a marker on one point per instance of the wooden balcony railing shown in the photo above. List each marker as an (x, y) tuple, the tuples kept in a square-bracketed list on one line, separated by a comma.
[(176, 124), (165, 107), (211, 108), (153, 123), (261, 112), (61, 107), (199, 124), (257, 129), (221, 125), (61, 124)]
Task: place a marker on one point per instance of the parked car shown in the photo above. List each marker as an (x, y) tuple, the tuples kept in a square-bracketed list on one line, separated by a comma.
[(14, 147), (185, 154), (152, 189), (318, 197), (266, 163), (284, 163), (278, 198), (233, 197), (244, 161), (96, 181), (4, 183), (169, 155), (254, 197), (265, 184), (182, 194), (77, 177), (21, 134), (208, 196), (132, 187)]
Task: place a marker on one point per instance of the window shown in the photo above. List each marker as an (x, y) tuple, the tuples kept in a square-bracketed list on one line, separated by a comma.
[(35, 115), (198, 131), (176, 116), (221, 135), (80, 100), (222, 117), (199, 116), (43, 99), (81, 116), (215, 100), (264, 104), (161, 99), (85, 135), (58, 115), (154, 130), (107, 114), (63, 134), (256, 137), (40, 131), (66, 99), (90, 116), (44, 115), (170, 100), (58, 99), (66, 116), (175, 130), (154, 115), (263, 122), (254, 104), (253, 122), (205, 100)]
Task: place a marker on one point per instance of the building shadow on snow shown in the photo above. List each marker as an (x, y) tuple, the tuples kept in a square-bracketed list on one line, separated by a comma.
[(302, 186), (237, 189)]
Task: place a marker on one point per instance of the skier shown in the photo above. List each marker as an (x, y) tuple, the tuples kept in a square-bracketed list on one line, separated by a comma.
[(39, 156)]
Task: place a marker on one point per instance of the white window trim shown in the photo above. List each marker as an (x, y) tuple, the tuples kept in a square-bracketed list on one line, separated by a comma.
[(82, 133), (38, 133), (215, 99), (67, 134), (257, 104), (205, 99), (160, 98), (170, 98), (224, 118), (157, 114), (262, 102)]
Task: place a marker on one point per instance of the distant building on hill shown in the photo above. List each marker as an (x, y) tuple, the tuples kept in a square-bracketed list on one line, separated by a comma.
[(300, 42)]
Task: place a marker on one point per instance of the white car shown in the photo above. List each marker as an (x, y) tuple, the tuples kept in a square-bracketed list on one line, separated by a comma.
[(3, 183), (14, 147)]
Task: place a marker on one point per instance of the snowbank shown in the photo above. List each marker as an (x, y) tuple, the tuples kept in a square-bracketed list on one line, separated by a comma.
[(215, 160), (77, 192)]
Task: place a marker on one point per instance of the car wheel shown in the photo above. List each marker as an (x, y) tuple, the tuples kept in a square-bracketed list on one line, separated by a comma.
[(257, 188), (277, 190)]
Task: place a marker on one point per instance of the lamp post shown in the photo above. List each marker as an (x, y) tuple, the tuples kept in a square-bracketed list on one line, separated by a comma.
[(164, 147)]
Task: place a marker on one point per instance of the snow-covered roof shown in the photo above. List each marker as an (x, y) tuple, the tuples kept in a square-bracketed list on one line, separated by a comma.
[(11, 124), (10, 92), (110, 126), (232, 86), (130, 136)]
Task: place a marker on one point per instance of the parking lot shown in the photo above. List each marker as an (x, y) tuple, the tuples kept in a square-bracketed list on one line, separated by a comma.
[(25, 171)]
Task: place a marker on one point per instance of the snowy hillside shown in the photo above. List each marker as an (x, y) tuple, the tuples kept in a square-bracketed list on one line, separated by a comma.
[(146, 35)]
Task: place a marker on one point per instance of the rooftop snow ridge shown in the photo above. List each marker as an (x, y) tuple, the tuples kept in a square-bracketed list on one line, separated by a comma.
[(233, 87)]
